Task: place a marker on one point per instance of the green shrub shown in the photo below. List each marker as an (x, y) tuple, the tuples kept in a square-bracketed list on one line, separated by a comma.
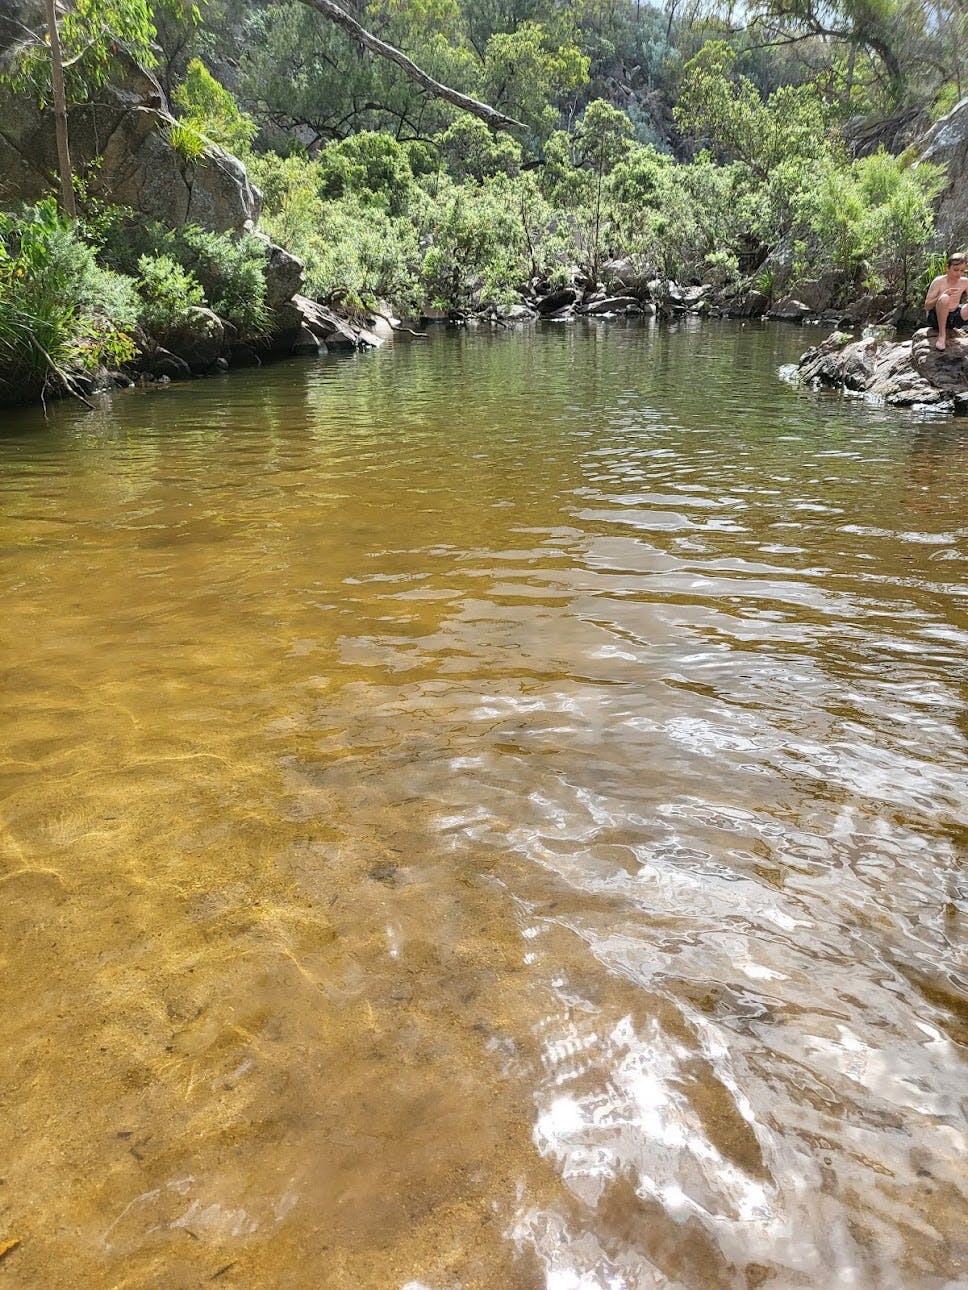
[(477, 249), (187, 141), (231, 272), (471, 151), (875, 216), (359, 255), (371, 166), (61, 314), (210, 111), (354, 249), (168, 293)]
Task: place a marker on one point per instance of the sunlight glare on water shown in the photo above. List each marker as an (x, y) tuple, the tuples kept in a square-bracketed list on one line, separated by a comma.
[(487, 813)]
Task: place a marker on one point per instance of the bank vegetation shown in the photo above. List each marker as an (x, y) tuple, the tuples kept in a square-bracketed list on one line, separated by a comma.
[(750, 156)]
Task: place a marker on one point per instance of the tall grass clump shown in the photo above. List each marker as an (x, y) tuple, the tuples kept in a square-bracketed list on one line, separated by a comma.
[(61, 314)]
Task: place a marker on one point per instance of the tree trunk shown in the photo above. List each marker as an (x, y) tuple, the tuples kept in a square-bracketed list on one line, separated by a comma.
[(490, 116), (60, 113)]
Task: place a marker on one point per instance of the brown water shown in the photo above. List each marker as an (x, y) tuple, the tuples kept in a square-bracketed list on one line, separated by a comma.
[(489, 813)]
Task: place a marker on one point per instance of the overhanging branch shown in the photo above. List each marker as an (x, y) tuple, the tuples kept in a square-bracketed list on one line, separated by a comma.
[(490, 116)]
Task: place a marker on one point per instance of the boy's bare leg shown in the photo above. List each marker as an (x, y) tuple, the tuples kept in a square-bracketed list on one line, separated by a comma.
[(945, 304), (942, 311)]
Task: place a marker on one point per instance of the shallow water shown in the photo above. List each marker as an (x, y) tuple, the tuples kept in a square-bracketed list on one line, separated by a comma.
[(486, 813)]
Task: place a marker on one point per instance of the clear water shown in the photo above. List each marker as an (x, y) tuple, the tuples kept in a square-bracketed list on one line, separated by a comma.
[(487, 813)]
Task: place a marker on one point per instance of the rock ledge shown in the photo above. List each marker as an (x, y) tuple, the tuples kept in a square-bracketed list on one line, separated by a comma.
[(904, 373)]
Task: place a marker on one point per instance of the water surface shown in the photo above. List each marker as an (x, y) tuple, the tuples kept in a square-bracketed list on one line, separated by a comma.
[(489, 813)]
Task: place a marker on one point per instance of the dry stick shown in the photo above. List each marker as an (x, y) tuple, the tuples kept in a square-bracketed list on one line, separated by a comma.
[(396, 326), (490, 116)]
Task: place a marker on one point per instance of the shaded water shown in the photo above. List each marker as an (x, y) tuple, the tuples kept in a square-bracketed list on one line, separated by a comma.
[(489, 813)]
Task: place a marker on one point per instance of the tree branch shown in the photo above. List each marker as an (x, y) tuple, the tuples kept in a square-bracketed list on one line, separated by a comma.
[(490, 116)]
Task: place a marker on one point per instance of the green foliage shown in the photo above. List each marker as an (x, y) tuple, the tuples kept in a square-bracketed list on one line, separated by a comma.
[(471, 151), (602, 137), (706, 210), (292, 204), (210, 111), (94, 35), (764, 282), (360, 256), (876, 216), (168, 292), (373, 166), (528, 74), (354, 249), (601, 141), (727, 112), (899, 201), (871, 30), (300, 72), (187, 141), (476, 250), (229, 271), (721, 268), (946, 98), (61, 314)]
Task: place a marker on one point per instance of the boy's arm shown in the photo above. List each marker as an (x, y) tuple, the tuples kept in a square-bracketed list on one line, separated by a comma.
[(933, 292)]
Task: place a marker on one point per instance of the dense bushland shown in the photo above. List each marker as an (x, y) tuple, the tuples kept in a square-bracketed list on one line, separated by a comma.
[(667, 139)]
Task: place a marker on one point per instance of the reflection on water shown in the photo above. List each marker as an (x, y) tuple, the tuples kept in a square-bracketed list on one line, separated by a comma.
[(486, 814)]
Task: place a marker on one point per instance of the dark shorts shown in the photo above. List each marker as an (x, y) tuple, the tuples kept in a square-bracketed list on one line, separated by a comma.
[(954, 319)]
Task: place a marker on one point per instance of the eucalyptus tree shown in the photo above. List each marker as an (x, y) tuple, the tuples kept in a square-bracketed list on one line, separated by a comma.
[(897, 52)]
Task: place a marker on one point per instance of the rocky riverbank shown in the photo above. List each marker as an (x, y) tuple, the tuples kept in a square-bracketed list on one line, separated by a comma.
[(904, 373)]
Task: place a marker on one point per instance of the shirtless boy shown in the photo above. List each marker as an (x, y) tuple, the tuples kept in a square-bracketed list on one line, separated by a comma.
[(943, 301)]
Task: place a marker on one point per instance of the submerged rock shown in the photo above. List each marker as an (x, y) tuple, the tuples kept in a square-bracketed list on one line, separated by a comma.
[(902, 373), (162, 364)]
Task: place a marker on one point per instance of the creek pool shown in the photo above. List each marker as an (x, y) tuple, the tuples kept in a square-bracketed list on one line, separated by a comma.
[(488, 814)]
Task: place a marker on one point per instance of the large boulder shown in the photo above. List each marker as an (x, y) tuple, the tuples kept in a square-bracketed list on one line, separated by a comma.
[(18, 19), (161, 363), (300, 322), (822, 293), (947, 144), (284, 273), (201, 340), (557, 301), (673, 298), (127, 131), (612, 305), (627, 275), (945, 369), (789, 310), (752, 304)]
